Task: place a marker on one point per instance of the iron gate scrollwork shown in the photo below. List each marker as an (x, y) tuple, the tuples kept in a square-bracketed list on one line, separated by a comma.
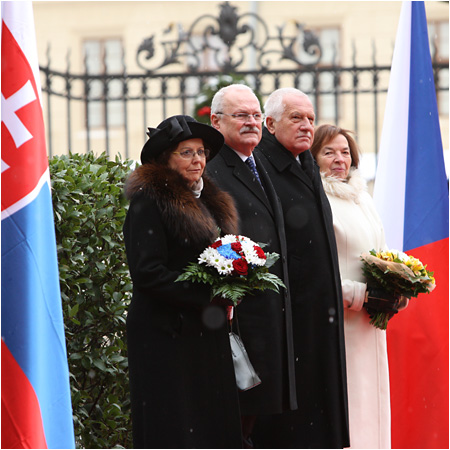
[(228, 26), (236, 45)]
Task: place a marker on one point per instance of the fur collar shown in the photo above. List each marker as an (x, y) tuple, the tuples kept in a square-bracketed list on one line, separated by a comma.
[(351, 189), (190, 220)]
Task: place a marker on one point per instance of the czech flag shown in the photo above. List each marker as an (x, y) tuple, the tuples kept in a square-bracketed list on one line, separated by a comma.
[(36, 404), (411, 194)]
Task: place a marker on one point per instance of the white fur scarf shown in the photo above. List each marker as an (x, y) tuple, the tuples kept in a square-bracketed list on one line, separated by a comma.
[(349, 189)]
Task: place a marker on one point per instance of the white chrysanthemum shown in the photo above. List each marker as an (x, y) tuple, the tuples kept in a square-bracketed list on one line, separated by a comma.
[(221, 264), (208, 256), (255, 260), (248, 249), (251, 255), (226, 268), (403, 256), (228, 239), (259, 262), (246, 240), (215, 260)]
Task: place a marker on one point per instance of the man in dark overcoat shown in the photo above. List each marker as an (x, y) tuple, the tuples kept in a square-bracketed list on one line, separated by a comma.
[(321, 420), (264, 319)]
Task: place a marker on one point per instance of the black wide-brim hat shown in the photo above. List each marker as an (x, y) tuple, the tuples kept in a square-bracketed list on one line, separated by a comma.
[(176, 129)]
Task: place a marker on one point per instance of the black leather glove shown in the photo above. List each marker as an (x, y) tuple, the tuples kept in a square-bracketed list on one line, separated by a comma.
[(378, 300)]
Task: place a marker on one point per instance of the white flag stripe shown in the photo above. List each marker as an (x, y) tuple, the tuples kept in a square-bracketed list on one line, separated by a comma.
[(24, 201), (389, 189)]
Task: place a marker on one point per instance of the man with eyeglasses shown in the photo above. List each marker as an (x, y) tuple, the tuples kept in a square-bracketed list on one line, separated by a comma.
[(321, 420), (264, 319)]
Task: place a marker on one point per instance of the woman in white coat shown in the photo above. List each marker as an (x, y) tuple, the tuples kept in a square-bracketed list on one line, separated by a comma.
[(358, 229)]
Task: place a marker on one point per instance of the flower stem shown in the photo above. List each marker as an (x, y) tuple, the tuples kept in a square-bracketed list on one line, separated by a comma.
[(380, 320)]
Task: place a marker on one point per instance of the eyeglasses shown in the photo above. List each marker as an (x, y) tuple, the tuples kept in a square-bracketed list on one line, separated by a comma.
[(189, 153), (243, 117)]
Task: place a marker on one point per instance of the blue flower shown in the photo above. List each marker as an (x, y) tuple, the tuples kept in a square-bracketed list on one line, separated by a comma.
[(226, 251)]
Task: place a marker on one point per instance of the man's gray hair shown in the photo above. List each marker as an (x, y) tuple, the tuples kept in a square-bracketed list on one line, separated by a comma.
[(275, 106), (217, 104)]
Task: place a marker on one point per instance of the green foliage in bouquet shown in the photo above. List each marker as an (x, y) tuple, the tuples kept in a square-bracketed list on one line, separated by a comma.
[(89, 210), (202, 107), (232, 288)]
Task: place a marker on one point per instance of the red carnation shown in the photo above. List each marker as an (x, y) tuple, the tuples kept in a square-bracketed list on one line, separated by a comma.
[(205, 111), (236, 246), (216, 244), (240, 266), (259, 252)]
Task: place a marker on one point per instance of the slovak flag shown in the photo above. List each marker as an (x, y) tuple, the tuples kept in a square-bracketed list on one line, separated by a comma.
[(36, 405), (411, 194)]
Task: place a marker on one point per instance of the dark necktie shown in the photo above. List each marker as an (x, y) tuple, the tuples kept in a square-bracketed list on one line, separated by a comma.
[(252, 166), (307, 162)]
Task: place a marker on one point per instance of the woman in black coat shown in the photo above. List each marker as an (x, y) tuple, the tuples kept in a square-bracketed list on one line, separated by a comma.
[(182, 383)]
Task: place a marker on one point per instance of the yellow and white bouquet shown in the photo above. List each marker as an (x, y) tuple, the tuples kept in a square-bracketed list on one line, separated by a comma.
[(397, 273)]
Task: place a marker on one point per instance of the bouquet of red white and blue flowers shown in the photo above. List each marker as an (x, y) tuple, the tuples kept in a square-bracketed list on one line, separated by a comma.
[(234, 266)]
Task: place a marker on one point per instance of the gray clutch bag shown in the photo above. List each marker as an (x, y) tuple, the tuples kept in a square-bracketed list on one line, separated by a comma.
[(246, 377)]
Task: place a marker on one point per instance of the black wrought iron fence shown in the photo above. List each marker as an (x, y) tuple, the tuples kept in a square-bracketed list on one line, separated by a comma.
[(129, 101)]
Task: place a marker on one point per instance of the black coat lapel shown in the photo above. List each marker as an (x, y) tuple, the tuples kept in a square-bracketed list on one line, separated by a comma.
[(281, 158)]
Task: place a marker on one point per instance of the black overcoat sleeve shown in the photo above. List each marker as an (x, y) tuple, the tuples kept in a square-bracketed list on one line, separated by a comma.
[(155, 260)]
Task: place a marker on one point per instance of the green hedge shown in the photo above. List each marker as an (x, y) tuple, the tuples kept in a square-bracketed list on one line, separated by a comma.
[(89, 209)]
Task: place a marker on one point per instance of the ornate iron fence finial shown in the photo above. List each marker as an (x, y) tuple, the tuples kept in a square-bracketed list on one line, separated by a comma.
[(226, 39)]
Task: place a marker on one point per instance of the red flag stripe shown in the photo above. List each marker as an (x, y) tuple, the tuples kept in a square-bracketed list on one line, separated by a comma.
[(21, 415), (418, 350)]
